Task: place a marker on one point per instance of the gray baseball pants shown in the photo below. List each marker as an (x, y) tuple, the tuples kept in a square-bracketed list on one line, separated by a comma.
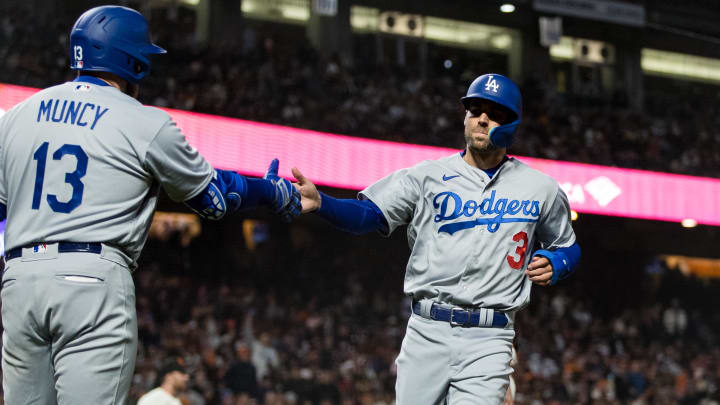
[(70, 329), (444, 364)]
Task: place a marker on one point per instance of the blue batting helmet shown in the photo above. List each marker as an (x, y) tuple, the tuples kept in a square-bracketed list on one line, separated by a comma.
[(112, 39), (501, 90)]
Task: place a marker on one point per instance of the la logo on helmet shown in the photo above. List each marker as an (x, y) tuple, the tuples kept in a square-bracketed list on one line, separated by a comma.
[(491, 84)]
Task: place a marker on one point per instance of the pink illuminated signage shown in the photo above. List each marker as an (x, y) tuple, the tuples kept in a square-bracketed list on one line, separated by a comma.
[(353, 163)]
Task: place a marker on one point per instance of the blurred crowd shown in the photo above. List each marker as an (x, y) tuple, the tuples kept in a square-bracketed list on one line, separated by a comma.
[(272, 74), (662, 352), (243, 347), (326, 330), (257, 327)]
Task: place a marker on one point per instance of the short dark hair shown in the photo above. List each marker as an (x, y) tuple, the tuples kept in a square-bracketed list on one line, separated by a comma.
[(170, 365)]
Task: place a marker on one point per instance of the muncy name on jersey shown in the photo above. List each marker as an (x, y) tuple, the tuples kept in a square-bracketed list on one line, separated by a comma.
[(451, 206), (72, 112)]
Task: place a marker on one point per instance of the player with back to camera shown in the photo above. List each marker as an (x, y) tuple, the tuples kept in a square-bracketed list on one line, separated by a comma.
[(473, 218), (81, 165)]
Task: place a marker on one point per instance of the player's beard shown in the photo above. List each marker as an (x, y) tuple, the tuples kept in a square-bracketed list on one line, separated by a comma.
[(486, 149)]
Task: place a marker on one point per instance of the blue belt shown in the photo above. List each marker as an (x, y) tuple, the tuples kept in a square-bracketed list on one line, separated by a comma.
[(63, 247), (462, 317)]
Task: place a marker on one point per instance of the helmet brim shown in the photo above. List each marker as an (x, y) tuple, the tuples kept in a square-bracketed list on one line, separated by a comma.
[(153, 49), (467, 100)]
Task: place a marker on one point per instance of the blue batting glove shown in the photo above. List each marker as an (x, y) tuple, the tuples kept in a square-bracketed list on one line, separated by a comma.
[(286, 202)]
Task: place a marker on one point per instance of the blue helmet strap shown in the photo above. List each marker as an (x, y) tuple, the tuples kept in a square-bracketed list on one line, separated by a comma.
[(502, 136)]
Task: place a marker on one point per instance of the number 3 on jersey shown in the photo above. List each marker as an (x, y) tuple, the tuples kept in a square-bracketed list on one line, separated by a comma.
[(72, 178), (520, 251)]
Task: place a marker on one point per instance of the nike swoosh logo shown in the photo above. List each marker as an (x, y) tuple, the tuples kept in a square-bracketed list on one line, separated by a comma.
[(446, 177)]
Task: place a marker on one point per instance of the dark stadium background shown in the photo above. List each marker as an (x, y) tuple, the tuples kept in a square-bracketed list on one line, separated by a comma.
[(329, 304)]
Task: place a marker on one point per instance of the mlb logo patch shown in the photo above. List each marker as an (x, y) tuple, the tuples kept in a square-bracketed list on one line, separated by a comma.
[(41, 248), (79, 64), (82, 87)]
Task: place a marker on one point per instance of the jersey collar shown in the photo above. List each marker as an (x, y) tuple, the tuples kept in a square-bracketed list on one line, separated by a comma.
[(91, 80), (491, 171)]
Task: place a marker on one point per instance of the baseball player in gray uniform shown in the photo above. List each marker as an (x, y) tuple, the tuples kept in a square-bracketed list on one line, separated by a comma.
[(81, 165), (473, 220)]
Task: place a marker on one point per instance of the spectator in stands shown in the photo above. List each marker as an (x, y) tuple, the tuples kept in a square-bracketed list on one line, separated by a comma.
[(241, 377), (675, 319), (173, 381), (264, 357)]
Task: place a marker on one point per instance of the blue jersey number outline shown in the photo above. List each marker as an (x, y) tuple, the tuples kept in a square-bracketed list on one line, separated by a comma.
[(72, 178)]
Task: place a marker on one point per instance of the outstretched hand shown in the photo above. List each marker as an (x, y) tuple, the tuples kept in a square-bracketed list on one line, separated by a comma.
[(286, 202), (309, 195)]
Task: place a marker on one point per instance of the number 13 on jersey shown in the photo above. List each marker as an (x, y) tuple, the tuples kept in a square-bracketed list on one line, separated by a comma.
[(72, 178)]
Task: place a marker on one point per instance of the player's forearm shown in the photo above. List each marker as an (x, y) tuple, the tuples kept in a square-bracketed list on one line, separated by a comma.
[(228, 192), (259, 192), (354, 216), (564, 261)]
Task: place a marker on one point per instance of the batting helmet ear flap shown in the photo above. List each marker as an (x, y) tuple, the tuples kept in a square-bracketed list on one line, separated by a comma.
[(501, 90), (503, 136)]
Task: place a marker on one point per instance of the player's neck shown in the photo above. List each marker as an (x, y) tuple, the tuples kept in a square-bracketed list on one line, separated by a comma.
[(131, 90), (112, 83), (108, 78), (486, 160)]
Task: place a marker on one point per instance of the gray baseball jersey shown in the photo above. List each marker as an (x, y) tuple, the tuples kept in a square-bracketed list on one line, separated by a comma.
[(83, 162), (472, 236)]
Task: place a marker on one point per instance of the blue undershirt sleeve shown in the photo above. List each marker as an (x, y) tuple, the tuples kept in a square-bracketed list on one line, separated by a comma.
[(3, 211), (259, 192), (229, 192), (564, 261), (354, 216)]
